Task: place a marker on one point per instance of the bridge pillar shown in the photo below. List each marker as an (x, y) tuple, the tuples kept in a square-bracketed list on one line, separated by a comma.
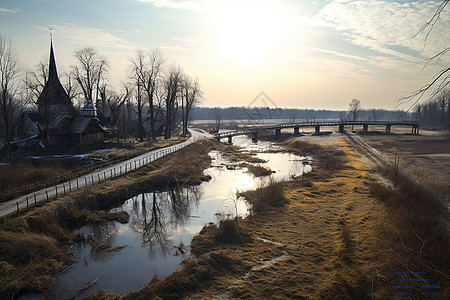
[(296, 131), (341, 128), (388, 128), (230, 139), (317, 129), (255, 137), (277, 133), (366, 127)]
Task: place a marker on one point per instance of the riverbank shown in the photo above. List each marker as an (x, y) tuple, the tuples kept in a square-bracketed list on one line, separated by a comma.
[(332, 238), (35, 245)]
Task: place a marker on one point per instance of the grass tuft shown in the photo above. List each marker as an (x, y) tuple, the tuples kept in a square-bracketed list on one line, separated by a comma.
[(229, 232), (266, 196), (328, 158)]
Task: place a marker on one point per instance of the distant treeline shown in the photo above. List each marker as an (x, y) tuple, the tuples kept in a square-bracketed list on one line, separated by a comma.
[(294, 115), (435, 112)]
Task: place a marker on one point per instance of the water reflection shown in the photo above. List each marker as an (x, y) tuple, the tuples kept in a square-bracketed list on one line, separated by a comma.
[(157, 215), (159, 223)]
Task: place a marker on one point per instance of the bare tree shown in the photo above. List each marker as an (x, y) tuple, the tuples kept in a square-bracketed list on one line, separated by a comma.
[(172, 85), (69, 84), (10, 106), (355, 108), (441, 79), (90, 70), (218, 117), (191, 95), (146, 71), (35, 80), (113, 101)]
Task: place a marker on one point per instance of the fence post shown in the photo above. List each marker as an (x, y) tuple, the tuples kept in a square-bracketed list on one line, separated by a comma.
[(46, 193), (120, 170), (17, 203), (92, 179), (64, 187), (104, 174), (135, 165), (85, 181), (77, 185), (27, 202), (98, 176), (34, 199), (56, 190), (111, 173), (115, 175), (70, 187)]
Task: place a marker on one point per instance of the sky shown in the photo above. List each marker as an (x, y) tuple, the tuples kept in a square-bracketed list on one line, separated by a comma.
[(300, 54)]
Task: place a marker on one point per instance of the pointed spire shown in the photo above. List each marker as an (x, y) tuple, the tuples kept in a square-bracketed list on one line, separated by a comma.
[(52, 73)]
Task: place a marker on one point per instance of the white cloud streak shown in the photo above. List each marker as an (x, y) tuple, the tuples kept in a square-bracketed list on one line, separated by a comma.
[(181, 4), (6, 10), (383, 25), (89, 36)]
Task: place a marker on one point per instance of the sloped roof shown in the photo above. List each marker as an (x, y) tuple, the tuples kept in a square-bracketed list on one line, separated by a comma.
[(58, 118), (80, 124), (53, 91)]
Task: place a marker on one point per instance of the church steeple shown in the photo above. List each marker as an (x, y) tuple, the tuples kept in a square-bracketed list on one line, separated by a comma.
[(53, 99), (52, 72)]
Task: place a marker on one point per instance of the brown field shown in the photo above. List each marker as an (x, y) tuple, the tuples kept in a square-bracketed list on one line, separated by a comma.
[(335, 233), (425, 157)]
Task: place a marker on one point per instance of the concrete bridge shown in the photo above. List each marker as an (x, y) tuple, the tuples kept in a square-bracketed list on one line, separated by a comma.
[(316, 125)]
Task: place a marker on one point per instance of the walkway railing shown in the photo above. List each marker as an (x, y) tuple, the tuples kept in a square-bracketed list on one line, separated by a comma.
[(25, 202)]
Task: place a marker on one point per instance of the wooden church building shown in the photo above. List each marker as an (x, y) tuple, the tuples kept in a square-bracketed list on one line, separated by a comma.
[(59, 122)]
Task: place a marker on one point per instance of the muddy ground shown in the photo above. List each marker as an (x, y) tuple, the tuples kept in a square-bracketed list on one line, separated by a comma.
[(426, 157)]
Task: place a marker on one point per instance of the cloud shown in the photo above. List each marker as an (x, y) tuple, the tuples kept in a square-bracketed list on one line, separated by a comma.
[(89, 36), (181, 4), (384, 25), (340, 54), (6, 10)]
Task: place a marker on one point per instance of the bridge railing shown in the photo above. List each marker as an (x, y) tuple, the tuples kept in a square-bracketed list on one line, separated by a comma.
[(311, 124)]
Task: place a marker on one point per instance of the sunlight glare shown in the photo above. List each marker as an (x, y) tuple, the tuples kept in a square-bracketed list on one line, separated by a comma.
[(249, 31)]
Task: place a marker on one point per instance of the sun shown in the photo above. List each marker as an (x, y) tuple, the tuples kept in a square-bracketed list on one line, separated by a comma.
[(249, 31)]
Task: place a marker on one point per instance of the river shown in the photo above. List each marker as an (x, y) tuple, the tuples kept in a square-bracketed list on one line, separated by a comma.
[(162, 224)]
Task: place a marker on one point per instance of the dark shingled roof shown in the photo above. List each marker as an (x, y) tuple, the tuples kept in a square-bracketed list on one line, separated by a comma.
[(79, 124), (53, 91)]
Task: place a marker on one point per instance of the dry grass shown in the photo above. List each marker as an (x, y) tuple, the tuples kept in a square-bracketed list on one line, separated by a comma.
[(24, 178), (256, 170), (235, 154), (33, 244), (195, 274), (266, 195), (415, 227), (102, 295), (229, 232), (327, 157), (28, 261), (28, 177), (331, 240)]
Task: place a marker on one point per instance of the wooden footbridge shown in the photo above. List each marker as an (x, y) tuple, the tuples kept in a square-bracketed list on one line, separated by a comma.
[(316, 125)]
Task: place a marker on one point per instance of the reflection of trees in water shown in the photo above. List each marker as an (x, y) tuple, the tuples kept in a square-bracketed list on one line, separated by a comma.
[(101, 233), (155, 215)]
